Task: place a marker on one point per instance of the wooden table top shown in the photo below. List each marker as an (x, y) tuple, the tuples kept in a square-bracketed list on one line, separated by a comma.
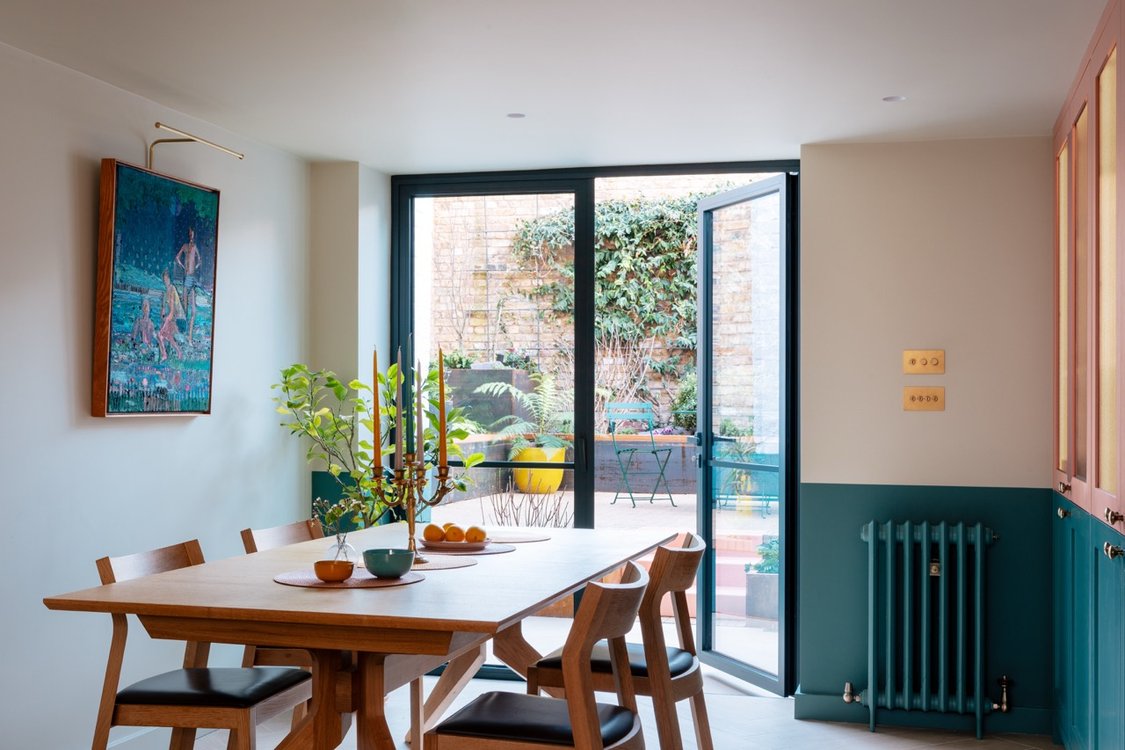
[(497, 592)]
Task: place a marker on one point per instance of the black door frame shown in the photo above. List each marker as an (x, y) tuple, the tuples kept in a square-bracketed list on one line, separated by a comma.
[(580, 182), (784, 683)]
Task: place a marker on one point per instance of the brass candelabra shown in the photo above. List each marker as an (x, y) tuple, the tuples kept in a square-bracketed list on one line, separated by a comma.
[(407, 490)]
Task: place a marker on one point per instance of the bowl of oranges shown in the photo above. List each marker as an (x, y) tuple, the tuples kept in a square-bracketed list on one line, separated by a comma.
[(454, 538)]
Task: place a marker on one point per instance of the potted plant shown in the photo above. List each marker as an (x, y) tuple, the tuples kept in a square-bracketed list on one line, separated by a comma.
[(538, 435), (336, 419), (762, 584)]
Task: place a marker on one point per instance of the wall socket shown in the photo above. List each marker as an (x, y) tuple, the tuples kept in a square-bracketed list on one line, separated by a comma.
[(923, 398), (923, 361)]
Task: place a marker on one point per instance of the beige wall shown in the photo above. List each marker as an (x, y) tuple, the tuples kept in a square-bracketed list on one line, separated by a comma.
[(74, 488), (915, 245)]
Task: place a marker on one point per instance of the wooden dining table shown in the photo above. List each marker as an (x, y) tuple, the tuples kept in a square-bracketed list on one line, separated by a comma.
[(366, 642)]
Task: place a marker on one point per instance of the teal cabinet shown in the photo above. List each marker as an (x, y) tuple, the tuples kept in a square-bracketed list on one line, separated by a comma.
[(1073, 623), (1109, 632), (1089, 623)]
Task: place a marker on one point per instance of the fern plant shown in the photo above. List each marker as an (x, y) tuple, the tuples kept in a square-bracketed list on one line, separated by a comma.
[(548, 409)]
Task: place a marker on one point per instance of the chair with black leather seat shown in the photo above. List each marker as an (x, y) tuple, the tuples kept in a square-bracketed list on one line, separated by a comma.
[(667, 674), (522, 722), (195, 696)]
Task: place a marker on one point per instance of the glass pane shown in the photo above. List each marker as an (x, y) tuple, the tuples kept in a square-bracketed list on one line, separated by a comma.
[(509, 346), (1107, 276), (746, 383), (646, 289), (1081, 288), (1063, 395)]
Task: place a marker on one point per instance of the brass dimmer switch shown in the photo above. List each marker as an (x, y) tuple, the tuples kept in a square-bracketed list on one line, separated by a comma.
[(923, 361), (923, 398)]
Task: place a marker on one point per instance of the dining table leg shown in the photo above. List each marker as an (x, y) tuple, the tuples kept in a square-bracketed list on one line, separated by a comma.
[(372, 731), (456, 675), (510, 647), (325, 725)]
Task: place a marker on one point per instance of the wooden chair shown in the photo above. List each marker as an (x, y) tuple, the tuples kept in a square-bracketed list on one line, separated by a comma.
[(279, 536), (255, 540), (525, 722), (195, 696), (668, 675)]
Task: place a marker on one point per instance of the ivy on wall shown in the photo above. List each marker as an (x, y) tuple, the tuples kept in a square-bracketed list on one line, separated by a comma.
[(645, 291)]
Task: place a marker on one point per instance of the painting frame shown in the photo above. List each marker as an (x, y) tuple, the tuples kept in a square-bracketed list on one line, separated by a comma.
[(154, 300)]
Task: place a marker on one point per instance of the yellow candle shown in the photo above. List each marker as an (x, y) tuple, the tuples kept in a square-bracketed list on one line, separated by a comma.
[(443, 458), (399, 437), (378, 438)]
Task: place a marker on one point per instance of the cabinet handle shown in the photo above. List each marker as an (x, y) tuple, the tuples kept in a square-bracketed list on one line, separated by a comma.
[(1064, 488), (1063, 513), (1112, 551), (1112, 516)]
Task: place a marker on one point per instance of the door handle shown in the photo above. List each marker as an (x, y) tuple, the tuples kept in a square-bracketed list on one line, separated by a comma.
[(1112, 551), (1112, 516), (1064, 488), (1063, 513)]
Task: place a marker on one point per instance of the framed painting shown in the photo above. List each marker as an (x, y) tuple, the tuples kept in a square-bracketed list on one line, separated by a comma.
[(155, 296)]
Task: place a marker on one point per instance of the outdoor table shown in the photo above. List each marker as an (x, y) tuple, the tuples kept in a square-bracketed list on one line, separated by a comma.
[(397, 633)]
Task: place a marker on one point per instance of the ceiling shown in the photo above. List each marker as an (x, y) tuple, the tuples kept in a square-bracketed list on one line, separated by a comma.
[(409, 86)]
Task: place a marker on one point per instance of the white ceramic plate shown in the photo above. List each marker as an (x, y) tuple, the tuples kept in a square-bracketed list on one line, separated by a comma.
[(455, 546)]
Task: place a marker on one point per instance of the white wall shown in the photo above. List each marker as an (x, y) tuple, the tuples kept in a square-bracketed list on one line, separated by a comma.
[(927, 245), (74, 488), (350, 276)]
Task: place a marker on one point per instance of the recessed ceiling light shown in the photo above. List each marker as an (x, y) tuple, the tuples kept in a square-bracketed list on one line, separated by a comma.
[(516, 115), (895, 98)]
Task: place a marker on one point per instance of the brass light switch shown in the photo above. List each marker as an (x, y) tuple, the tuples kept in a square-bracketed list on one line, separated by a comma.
[(923, 398), (923, 361)]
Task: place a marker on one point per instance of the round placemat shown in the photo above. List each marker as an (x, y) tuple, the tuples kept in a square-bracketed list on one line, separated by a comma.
[(514, 536), (360, 579), (491, 549), (445, 562)]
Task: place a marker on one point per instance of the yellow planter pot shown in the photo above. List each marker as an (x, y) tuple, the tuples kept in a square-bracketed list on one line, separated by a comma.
[(539, 481)]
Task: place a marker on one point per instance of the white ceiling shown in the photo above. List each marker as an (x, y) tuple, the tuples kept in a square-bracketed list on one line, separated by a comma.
[(424, 85)]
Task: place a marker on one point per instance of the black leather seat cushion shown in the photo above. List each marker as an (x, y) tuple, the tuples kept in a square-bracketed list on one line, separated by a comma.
[(679, 661), (226, 687), (515, 716)]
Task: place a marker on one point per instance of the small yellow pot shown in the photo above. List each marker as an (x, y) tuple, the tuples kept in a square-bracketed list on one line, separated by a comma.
[(539, 481)]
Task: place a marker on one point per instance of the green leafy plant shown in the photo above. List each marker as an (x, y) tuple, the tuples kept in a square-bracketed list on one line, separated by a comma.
[(458, 360), (335, 418), (645, 292), (685, 404), (331, 516), (518, 360), (770, 550), (548, 410)]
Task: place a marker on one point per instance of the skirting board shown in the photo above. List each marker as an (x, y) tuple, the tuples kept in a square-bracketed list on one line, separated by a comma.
[(832, 708)]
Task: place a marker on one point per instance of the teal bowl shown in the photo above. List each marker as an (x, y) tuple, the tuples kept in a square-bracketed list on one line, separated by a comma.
[(384, 562)]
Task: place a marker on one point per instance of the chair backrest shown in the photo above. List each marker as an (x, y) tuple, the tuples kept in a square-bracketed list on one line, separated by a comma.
[(607, 612), (172, 557), (256, 540), (637, 412), (673, 571)]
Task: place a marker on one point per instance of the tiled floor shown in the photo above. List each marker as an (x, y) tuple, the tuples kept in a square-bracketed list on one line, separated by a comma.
[(739, 721)]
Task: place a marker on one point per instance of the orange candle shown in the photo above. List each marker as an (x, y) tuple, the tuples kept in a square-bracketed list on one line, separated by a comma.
[(443, 458), (378, 439)]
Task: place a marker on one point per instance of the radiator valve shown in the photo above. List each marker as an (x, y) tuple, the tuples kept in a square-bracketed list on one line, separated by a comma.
[(850, 695), (1002, 706)]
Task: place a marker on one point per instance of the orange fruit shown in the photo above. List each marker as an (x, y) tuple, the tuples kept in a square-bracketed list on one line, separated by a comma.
[(447, 524), (454, 534), (433, 533), (475, 534)]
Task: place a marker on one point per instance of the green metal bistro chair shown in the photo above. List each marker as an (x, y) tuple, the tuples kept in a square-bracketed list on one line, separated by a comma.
[(630, 456)]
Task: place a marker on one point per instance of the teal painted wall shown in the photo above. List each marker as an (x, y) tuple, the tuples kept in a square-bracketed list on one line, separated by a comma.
[(832, 600)]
